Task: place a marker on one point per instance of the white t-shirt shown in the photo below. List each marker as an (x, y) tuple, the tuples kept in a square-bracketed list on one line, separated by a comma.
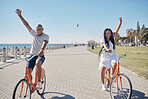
[(37, 42)]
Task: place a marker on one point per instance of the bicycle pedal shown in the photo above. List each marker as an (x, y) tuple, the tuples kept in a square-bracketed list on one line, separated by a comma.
[(32, 91), (38, 88), (107, 85)]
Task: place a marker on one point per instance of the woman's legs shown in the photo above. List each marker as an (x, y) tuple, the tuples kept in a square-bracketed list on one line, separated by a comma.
[(102, 78), (102, 74), (114, 65)]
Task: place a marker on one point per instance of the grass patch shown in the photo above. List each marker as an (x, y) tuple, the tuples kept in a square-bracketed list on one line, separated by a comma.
[(136, 60)]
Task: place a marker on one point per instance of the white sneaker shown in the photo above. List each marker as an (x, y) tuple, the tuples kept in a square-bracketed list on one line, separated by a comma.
[(38, 86), (103, 87)]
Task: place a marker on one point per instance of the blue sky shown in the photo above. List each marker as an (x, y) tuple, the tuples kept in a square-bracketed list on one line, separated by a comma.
[(59, 18)]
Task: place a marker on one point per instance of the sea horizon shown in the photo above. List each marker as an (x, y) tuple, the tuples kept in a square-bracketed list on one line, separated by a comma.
[(28, 45)]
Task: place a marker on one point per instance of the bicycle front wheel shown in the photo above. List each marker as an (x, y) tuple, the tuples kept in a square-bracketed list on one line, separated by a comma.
[(43, 84), (122, 90), (22, 90)]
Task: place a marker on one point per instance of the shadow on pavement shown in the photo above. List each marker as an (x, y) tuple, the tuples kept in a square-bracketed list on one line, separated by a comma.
[(56, 95), (7, 64), (138, 95)]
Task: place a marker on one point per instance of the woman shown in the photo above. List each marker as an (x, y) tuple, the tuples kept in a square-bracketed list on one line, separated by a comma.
[(108, 58)]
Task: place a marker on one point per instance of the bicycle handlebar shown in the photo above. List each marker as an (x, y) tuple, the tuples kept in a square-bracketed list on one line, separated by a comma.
[(26, 59), (122, 56)]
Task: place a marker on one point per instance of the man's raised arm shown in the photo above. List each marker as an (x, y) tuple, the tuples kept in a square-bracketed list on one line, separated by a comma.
[(23, 20)]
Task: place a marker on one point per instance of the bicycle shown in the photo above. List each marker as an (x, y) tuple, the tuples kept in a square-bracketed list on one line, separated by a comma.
[(25, 87), (120, 85)]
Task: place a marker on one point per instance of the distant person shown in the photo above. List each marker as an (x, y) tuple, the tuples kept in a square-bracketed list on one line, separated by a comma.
[(40, 40), (108, 58)]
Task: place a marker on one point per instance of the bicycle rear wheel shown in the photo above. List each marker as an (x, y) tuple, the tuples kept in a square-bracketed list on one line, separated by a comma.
[(22, 90), (124, 88), (43, 84)]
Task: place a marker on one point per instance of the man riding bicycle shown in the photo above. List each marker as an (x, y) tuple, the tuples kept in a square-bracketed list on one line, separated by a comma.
[(40, 40)]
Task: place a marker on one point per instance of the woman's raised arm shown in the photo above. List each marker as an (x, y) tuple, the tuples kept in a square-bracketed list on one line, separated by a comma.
[(118, 27)]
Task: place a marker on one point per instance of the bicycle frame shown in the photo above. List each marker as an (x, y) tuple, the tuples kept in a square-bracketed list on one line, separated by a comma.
[(29, 80), (115, 73), (26, 82)]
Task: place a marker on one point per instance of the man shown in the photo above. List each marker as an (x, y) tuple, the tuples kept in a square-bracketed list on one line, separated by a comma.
[(40, 40)]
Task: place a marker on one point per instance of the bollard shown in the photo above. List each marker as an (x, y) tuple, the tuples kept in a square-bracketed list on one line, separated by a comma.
[(12, 50), (21, 51), (4, 55), (25, 52), (54, 46), (51, 47), (48, 48), (15, 52), (7, 49), (18, 51)]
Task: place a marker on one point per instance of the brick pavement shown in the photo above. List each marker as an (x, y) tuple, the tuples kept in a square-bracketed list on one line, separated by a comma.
[(71, 74)]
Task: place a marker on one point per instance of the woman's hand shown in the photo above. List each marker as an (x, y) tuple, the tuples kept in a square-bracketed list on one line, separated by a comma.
[(109, 50)]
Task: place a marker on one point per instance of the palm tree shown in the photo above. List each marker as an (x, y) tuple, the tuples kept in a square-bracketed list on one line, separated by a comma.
[(138, 34), (129, 36), (117, 39), (144, 37)]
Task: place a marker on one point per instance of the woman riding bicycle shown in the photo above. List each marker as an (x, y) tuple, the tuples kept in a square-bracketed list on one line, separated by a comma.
[(108, 58)]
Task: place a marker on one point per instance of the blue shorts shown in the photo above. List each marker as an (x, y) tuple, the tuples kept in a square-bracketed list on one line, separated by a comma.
[(31, 62)]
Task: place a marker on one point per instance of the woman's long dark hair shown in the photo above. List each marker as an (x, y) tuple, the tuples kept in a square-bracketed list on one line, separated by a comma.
[(106, 42)]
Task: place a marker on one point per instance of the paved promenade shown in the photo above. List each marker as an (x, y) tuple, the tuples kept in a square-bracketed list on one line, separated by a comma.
[(71, 73)]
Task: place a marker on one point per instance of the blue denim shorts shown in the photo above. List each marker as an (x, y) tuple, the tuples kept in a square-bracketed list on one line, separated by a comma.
[(32, 61)]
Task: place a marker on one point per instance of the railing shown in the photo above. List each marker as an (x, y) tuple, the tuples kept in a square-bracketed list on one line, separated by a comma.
[(6, 53)]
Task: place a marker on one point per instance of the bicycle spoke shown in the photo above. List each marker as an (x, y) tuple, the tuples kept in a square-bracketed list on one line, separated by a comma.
[(123, 90), (22, 90)]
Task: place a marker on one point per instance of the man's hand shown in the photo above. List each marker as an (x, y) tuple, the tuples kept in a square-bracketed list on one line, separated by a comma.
[(18, 12), (120, 19), (41, 53)]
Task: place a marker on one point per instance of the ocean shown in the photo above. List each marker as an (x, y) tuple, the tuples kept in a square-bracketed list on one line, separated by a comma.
[(27, 45)]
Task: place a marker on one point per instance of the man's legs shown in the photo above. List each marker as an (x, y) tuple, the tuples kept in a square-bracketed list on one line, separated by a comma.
[(38, 66), (39, 62), (31, 64), (30, 71)]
